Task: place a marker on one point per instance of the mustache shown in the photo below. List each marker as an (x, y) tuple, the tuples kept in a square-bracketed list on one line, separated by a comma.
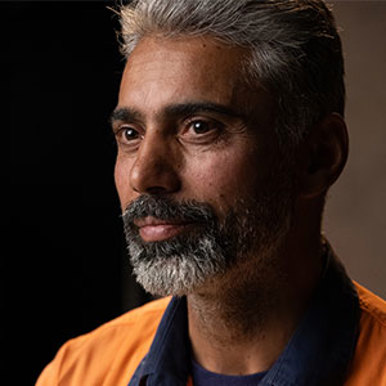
[(166, 208)]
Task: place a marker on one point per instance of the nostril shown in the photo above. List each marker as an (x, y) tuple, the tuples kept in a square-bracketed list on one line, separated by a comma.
[(156, 190)]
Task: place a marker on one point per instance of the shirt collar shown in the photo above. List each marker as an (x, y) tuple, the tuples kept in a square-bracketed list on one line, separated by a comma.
[(323, 344), (317, 354), (168, 360)]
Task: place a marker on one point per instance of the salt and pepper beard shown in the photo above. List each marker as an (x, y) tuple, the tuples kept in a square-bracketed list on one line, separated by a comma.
[(183, 263)]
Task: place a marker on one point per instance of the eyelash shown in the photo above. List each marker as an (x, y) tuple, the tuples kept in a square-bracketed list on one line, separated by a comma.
[(210, 122), (215, 130), (120, 132)]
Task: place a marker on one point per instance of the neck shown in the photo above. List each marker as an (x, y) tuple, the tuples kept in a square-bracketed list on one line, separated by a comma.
[(240, 323)]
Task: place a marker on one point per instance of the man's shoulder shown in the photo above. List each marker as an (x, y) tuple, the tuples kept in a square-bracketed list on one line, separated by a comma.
[(134, 326), (372, 306), (137, 315), (112, 350), (369, 361)]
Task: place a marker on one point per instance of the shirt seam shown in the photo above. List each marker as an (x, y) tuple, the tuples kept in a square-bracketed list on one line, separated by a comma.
[(365, 307)]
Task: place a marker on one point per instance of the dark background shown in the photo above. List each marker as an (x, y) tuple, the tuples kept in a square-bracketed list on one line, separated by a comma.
[(63, 271)]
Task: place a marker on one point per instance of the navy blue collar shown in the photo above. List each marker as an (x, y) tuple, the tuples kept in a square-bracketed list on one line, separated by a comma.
[(318, 353), (168, 360)]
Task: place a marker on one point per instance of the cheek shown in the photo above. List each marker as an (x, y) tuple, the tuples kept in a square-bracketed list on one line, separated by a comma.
[(224, 178), (121, 177)]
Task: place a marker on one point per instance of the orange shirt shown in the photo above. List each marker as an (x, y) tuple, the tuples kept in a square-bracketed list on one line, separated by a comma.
[(369, 363), (110, 354)]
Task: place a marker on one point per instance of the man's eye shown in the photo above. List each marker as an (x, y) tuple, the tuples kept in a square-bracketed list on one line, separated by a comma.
[(202, 131), (201, 127), (127, 134)]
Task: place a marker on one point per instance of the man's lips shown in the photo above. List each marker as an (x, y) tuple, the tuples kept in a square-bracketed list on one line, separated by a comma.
[(153, 229)]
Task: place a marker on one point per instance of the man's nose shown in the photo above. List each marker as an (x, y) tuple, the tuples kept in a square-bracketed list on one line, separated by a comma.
[(155, 170)]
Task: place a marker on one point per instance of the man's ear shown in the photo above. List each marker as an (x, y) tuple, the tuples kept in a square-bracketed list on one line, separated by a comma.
[(323, 156)]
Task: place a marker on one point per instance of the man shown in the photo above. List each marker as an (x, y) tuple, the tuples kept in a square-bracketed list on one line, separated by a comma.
[(230, 132)]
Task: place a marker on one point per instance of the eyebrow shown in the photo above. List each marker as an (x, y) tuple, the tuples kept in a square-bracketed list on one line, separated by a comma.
[(127, 114), (190, 108)]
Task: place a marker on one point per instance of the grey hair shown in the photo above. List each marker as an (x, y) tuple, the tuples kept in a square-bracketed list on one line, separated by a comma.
[(295, 48)]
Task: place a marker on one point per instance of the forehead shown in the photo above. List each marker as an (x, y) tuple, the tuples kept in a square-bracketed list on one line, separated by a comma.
[(163, 71)]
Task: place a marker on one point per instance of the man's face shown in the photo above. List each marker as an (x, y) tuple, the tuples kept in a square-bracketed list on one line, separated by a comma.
[(197, 166)]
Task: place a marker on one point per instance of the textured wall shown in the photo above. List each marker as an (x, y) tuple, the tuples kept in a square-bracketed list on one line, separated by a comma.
[(355, 220)]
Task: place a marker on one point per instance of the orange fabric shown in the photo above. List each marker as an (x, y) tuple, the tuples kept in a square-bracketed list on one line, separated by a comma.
[(109, 355), (368, 367)]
